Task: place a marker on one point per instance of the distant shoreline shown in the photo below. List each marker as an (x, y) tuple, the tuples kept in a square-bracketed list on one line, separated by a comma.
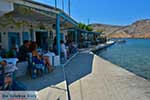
[(129, 38)]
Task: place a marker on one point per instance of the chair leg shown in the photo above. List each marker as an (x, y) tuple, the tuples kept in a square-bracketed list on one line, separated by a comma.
[(45, 69), (34, 73)]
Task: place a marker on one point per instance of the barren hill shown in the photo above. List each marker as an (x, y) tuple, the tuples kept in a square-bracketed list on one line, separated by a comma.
[(139, 29)]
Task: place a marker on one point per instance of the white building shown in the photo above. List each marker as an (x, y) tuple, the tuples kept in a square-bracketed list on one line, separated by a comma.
[(29, 20)]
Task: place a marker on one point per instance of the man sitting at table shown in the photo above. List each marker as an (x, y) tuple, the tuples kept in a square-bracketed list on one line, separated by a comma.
[(5, 81), (24, 50)]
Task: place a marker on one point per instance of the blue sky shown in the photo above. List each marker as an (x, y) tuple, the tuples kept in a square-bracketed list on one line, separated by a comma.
[(116, 12)]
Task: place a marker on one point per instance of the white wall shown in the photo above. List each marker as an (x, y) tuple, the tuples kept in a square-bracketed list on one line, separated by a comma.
[(5, 7)]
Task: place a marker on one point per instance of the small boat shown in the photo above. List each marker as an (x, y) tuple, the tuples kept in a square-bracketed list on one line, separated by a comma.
[(121, 41), (110, 42)]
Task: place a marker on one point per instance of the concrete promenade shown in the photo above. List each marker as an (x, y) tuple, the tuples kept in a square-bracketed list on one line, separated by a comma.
[(89, 77), (93, 78), (50, 86)]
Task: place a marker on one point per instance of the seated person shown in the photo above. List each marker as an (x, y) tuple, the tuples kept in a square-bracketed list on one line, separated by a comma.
[(63, 49), (51, 52), (73, 48), (23, 51), (5, 79), (38, 58)]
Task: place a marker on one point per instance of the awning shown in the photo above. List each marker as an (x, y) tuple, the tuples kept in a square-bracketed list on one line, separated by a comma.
[(5, 7), (35, 11), (82, 31)]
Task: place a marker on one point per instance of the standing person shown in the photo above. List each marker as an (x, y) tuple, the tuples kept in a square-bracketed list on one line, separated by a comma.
[(50, 40), (63, 49), (23, 51), (55, 46)]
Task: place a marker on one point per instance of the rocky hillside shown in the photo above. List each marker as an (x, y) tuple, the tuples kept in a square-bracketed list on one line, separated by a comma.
[(139, 29)]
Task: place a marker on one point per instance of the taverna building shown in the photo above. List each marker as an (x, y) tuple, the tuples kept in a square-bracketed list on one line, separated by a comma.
[(29, 20)]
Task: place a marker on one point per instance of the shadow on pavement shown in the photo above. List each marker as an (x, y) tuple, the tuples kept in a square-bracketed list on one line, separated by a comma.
[(79, 67), (46, 80)]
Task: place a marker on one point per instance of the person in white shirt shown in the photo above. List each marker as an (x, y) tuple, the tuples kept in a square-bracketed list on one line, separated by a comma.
[(63, 49)]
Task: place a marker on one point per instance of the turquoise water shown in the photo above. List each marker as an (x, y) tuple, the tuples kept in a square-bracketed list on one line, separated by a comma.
[(134, 55)]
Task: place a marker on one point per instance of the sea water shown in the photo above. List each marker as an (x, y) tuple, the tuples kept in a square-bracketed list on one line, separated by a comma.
[(133, 55)]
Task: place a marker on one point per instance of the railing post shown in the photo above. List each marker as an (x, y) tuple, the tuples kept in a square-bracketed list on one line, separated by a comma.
[(58, 33)]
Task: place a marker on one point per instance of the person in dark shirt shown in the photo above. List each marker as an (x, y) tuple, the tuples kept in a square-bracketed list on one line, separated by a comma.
[(23, 51), (55, 46)]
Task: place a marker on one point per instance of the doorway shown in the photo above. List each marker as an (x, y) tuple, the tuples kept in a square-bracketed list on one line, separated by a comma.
[(42, 40), (13, 39), (25, 36)]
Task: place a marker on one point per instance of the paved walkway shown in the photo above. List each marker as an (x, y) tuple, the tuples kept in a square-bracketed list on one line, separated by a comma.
[(56, 77), (92, 78), (50, 86)]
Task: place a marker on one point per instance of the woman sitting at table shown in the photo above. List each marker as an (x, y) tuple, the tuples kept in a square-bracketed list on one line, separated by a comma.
[(39, 58)]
